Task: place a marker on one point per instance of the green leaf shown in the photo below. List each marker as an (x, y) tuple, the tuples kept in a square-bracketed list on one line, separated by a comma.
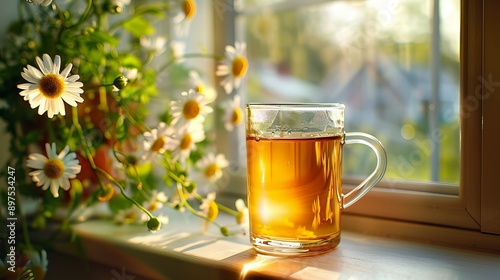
[(50, 203), (39, 222), (75, 193), (102, 37), (139, 27), (152, 9), (130, 61), (121, 128), (31, 137), (141, 170), (118, 202)]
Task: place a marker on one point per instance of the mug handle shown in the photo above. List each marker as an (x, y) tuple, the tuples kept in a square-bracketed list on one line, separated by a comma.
[(366, 139)]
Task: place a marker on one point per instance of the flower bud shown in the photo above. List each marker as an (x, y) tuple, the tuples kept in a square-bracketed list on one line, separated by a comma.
[(179, 207), (88, 30), (154, 224), (131, 159), (114, 7), (120, 82), (224, 231)]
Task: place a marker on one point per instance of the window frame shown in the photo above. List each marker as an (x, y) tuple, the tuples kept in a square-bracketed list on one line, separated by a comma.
[(475, 207)]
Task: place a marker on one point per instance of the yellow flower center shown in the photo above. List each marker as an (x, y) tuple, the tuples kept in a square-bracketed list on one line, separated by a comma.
[(211, 170), (130, 216), (154, 206), (186, 141), (158, 144), (54, 168), (191, 109), (200, 88), (240, 66), (213, 211), (51, 86), (189, 8), (237, 116)]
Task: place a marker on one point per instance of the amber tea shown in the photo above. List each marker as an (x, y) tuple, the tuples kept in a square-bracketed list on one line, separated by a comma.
[(294, 188), (294, 170)]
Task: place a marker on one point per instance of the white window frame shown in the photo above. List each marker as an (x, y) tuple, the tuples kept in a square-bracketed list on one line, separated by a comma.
[(476, 208)]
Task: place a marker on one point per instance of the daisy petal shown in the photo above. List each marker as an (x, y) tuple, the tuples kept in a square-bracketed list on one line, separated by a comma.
[(50, 102)]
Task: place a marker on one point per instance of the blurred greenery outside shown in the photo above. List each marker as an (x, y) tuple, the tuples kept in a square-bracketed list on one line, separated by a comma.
[(353, 43)]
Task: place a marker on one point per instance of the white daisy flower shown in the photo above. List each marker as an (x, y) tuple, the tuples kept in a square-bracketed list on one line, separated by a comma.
[(40, 2), (234, 67), (211, 166), (209, 210), (54, 171), (40, 263), (242, 209), (188, 138), (130, 73), (233, 115), (129, 216), (192, 107), (183, 11), (156, 201), (157, 45), (47, 88), (177, 50), (153, 204), (198, 85), (158, 141)]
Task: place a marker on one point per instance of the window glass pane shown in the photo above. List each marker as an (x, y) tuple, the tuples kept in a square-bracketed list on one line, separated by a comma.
[(390, 62), (257, 3)]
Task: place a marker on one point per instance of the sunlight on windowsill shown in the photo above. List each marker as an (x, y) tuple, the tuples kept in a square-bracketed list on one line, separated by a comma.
[(180, 245)]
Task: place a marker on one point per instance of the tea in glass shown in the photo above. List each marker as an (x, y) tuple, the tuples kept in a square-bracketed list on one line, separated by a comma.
[(294, 190), (294, 168)]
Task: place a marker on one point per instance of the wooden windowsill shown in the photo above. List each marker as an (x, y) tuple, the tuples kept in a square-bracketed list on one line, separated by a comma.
[(180, 251)]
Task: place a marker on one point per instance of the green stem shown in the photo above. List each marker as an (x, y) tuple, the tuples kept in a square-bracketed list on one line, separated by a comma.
[(139, 125), (175, 177), (84, 15), (180, 192), (50, 129), (136, 14), (122, 189), (98, 171), (72, 129), (221, 206), (86, 148)]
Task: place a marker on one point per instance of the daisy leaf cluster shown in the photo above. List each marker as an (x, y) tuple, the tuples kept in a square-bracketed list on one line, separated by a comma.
[(78, 79)]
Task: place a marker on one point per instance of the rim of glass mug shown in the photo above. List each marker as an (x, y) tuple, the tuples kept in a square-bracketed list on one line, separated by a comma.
[(295, 105), (330, 123)]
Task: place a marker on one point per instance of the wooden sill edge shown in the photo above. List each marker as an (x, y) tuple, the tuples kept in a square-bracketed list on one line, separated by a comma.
[(424, 233)]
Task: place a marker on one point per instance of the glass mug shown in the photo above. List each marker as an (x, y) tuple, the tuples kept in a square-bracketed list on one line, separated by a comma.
[(294, 168)]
